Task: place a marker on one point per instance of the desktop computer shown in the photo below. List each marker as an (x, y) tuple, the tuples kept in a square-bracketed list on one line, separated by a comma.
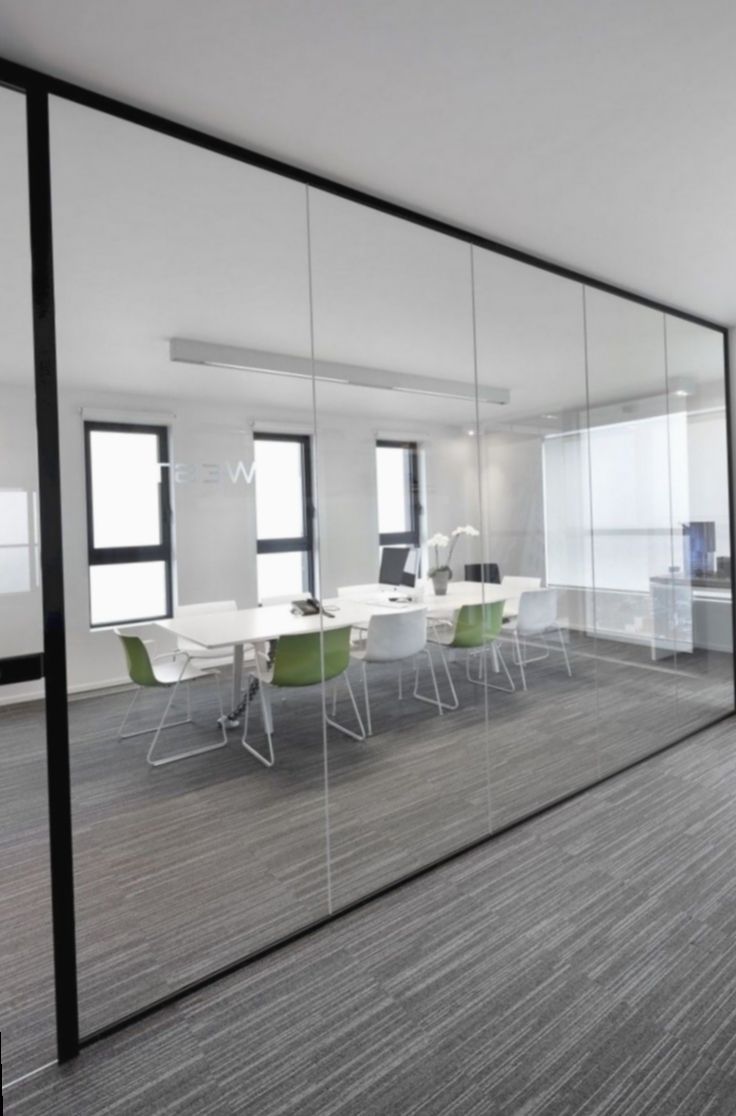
[(398, 566)]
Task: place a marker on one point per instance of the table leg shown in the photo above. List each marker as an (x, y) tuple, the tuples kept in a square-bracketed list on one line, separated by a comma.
[(237, 674)]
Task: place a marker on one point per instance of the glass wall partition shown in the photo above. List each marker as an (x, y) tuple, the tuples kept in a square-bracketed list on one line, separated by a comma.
[(701, 565), (26, 969), (188, 856), (375, 542), (400, 517), (633, 614)]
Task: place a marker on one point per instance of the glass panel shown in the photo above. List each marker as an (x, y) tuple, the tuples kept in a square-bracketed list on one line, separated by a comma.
[(702, 574), (279, 489), (126, 509), (127, 591), (187, 866), (281, 575), (394, 302), (394, 497), (534, 454), (27, 1019), (632, 614)]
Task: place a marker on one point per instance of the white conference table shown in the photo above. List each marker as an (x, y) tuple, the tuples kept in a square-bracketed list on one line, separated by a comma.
[(234, 631)]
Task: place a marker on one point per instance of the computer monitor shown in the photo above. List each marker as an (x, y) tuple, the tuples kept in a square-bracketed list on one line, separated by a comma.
[(699, 547), (393, 562)]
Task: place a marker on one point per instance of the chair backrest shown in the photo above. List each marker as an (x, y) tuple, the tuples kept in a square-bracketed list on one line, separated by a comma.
[(204, 607), (537, 611), (396, 635), (137, 659), (298, 660), (476, 625), (487, 571)]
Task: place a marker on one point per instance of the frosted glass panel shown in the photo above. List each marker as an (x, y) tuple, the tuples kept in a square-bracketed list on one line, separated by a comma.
[(125, 489), (127, 591), (279, 489)]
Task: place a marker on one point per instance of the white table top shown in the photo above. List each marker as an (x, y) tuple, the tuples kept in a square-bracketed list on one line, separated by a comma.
[(259, 625)]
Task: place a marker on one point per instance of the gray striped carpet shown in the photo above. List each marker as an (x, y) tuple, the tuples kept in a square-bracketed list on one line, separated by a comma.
[(182, 869)]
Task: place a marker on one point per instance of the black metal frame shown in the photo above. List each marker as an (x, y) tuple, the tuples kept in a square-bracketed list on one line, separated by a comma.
[(116, 555), (37, 88), (52, 577), (410, 537), (304, 544)]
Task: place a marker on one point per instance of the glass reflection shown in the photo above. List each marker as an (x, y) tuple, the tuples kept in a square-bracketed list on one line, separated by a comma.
[(701, 575), (186, 866), (634, 494), (536, 487)]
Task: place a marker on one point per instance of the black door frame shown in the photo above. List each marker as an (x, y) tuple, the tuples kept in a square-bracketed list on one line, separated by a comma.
[(38, 87)]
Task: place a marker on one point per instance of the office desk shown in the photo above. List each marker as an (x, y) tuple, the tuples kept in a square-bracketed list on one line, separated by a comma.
[(459, 593), (256, 626)]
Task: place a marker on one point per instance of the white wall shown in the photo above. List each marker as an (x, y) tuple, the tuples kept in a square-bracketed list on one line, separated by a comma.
[(513, 503)]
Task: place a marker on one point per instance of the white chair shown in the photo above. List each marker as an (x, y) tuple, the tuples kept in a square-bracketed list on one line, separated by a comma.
[(537, 618), (514, 587), (394, 638), (202, 656)]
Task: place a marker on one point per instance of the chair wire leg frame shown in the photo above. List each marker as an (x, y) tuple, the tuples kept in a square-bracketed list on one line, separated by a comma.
[(361, 735), (499, 661), (436, 700), (155, 762), (521, 659), (268, 758)]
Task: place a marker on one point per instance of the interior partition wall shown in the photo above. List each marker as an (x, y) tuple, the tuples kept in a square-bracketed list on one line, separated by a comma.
[(277, 332)]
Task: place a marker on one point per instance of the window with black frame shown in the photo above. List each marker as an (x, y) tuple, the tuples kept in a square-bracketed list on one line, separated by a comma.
[(284, 514), (128, 522), (397, 479)]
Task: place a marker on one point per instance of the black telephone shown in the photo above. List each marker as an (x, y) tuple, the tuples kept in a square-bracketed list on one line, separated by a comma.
[(309, 607)]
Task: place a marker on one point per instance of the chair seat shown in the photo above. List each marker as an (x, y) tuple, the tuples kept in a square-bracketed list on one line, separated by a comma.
[(169, 672), (513, 626), (443, 639), (196, 651), (360, 655)]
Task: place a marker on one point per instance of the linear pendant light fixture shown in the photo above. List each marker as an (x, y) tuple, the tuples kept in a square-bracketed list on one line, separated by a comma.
[(186, 351)]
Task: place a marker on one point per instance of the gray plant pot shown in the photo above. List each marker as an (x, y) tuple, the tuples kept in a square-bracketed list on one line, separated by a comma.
[(440, 581)]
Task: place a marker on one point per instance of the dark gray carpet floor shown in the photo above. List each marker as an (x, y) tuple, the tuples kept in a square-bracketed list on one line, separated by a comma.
[(582, 956)]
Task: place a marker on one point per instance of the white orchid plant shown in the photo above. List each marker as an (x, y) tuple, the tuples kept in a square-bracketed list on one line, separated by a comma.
[(440, 541)]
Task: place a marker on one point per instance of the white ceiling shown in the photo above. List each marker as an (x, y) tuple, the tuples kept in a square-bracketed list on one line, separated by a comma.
[(595, 134), (155, 239)]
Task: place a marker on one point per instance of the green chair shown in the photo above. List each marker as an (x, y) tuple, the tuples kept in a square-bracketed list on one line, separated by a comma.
[(476, 630), (308, 659), (170, 674)]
